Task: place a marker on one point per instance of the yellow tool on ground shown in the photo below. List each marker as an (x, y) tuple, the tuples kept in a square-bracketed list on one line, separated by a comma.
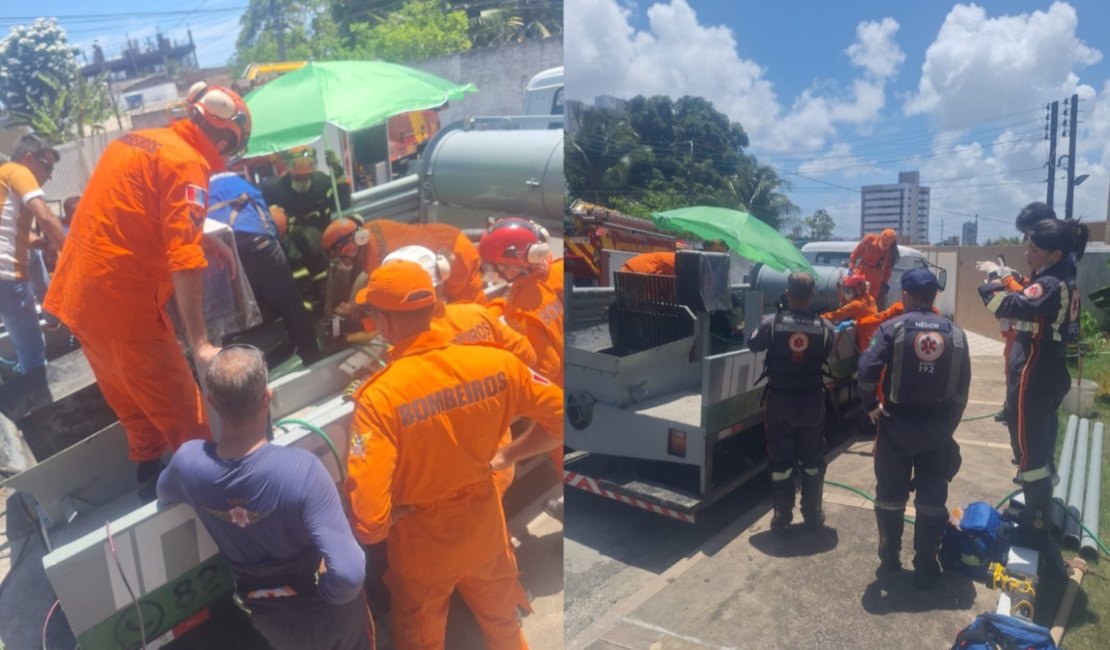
[(1022, 591)]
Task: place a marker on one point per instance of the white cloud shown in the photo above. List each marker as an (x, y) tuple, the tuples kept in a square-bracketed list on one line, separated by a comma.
[(978, 64), (839, 159), (676, 55), (875, 49)]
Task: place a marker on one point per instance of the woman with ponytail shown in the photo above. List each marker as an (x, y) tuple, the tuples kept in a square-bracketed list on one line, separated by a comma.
[(1045, 315)]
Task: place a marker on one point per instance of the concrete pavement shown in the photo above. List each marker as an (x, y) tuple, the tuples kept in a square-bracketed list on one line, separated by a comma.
[(744, 587)]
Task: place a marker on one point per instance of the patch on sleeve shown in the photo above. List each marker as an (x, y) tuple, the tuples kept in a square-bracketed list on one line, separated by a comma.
[(540, 379), (196, 195), (1033, 291), (358, 446)]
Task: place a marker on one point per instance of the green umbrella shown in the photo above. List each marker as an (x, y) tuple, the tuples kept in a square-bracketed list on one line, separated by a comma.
[(292, 109), (744, 235)]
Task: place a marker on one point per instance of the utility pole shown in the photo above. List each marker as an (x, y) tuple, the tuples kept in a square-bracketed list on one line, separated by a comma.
[(1073, 127), (279, 30), (1054, 112)]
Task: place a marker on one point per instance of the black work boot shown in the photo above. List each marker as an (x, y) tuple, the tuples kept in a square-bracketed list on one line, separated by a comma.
[(891, 523), (926, 539), (813, 487), (1035, 523), (782, 497)]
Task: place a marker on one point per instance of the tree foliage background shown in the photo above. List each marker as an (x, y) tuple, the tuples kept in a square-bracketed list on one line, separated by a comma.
[(659, 153), (387, 29), (30, 55)]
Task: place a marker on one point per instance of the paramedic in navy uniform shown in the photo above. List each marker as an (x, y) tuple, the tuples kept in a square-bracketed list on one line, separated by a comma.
[(925, 386), (798, 342)]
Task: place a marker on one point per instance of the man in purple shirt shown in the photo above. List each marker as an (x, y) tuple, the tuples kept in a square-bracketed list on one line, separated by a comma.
[(275, 514)]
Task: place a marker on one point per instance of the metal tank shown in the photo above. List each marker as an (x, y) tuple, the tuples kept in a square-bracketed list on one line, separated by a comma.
[(502, 170), (773, 284)]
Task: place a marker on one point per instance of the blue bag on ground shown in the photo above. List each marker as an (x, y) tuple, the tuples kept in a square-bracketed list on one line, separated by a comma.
[(992, 631), (976, 544)]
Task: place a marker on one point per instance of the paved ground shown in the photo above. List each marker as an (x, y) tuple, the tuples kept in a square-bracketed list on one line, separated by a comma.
[(638, 582)]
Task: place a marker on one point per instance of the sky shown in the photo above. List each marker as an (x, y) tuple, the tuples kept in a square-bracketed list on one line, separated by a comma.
[(214, 23), (836, 95)]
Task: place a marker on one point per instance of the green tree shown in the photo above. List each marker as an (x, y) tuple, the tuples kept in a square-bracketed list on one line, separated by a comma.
[(820, 225), (605, 158), (420, 29), (70, 110), (762, 191), (30, 55)]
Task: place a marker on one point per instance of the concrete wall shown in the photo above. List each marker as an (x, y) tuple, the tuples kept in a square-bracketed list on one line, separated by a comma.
[(961, 295), (500, 74)]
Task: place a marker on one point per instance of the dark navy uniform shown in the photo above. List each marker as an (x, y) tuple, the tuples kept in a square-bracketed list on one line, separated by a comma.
[(797, 345), (925, 384), (1045, 316)]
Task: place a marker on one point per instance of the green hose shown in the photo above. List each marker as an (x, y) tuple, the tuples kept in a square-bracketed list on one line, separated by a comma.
[(320, 432)]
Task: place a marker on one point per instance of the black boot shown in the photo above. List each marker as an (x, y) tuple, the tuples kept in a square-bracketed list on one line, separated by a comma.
[(782, 497), (926, 539), (891, 523), (1034, 524), (813, 487)]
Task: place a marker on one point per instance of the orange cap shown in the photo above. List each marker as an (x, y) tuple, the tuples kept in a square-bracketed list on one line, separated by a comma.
[(400, 285)]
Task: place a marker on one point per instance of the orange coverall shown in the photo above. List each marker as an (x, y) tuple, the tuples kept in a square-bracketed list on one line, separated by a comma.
[(534, 307), (870, 258), (465, 281), (661, 263), (140, 219), (466, 322), (424, 431), (855, 309)]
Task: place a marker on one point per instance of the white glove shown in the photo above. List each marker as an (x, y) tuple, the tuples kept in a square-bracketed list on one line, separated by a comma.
[(988, 267)]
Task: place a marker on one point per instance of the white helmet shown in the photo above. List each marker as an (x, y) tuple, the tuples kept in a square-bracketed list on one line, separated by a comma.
[(433, 263)]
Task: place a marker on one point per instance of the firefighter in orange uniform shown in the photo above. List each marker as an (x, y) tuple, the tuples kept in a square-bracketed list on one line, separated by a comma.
[(660, 263), (518, 250), (467, 322), (135, 242), (874, 257), (424, 442), (858, 304), (364, 246)]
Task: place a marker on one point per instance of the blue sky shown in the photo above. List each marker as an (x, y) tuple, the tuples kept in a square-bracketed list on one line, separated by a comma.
[(849, 93), (214, 23)]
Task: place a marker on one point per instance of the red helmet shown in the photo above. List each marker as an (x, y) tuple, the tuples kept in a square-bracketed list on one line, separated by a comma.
[(514, 241), (222, 113), (854, 281)]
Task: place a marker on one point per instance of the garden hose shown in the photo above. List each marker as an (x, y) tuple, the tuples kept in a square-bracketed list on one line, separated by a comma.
[(320, 432)]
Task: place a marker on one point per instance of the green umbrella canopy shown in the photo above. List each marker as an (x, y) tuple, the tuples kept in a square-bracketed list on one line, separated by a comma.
[(744, 235), (292, 109)]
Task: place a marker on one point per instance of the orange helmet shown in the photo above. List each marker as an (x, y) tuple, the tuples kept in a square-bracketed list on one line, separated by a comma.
[(888, 237), (342, 238), (514, 241), (222, 113)]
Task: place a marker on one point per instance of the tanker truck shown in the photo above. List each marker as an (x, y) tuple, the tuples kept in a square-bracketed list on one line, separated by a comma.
[(664, 409)]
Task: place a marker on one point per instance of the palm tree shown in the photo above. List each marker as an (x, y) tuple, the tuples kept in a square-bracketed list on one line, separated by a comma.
[(761, 189), (602, 157)]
